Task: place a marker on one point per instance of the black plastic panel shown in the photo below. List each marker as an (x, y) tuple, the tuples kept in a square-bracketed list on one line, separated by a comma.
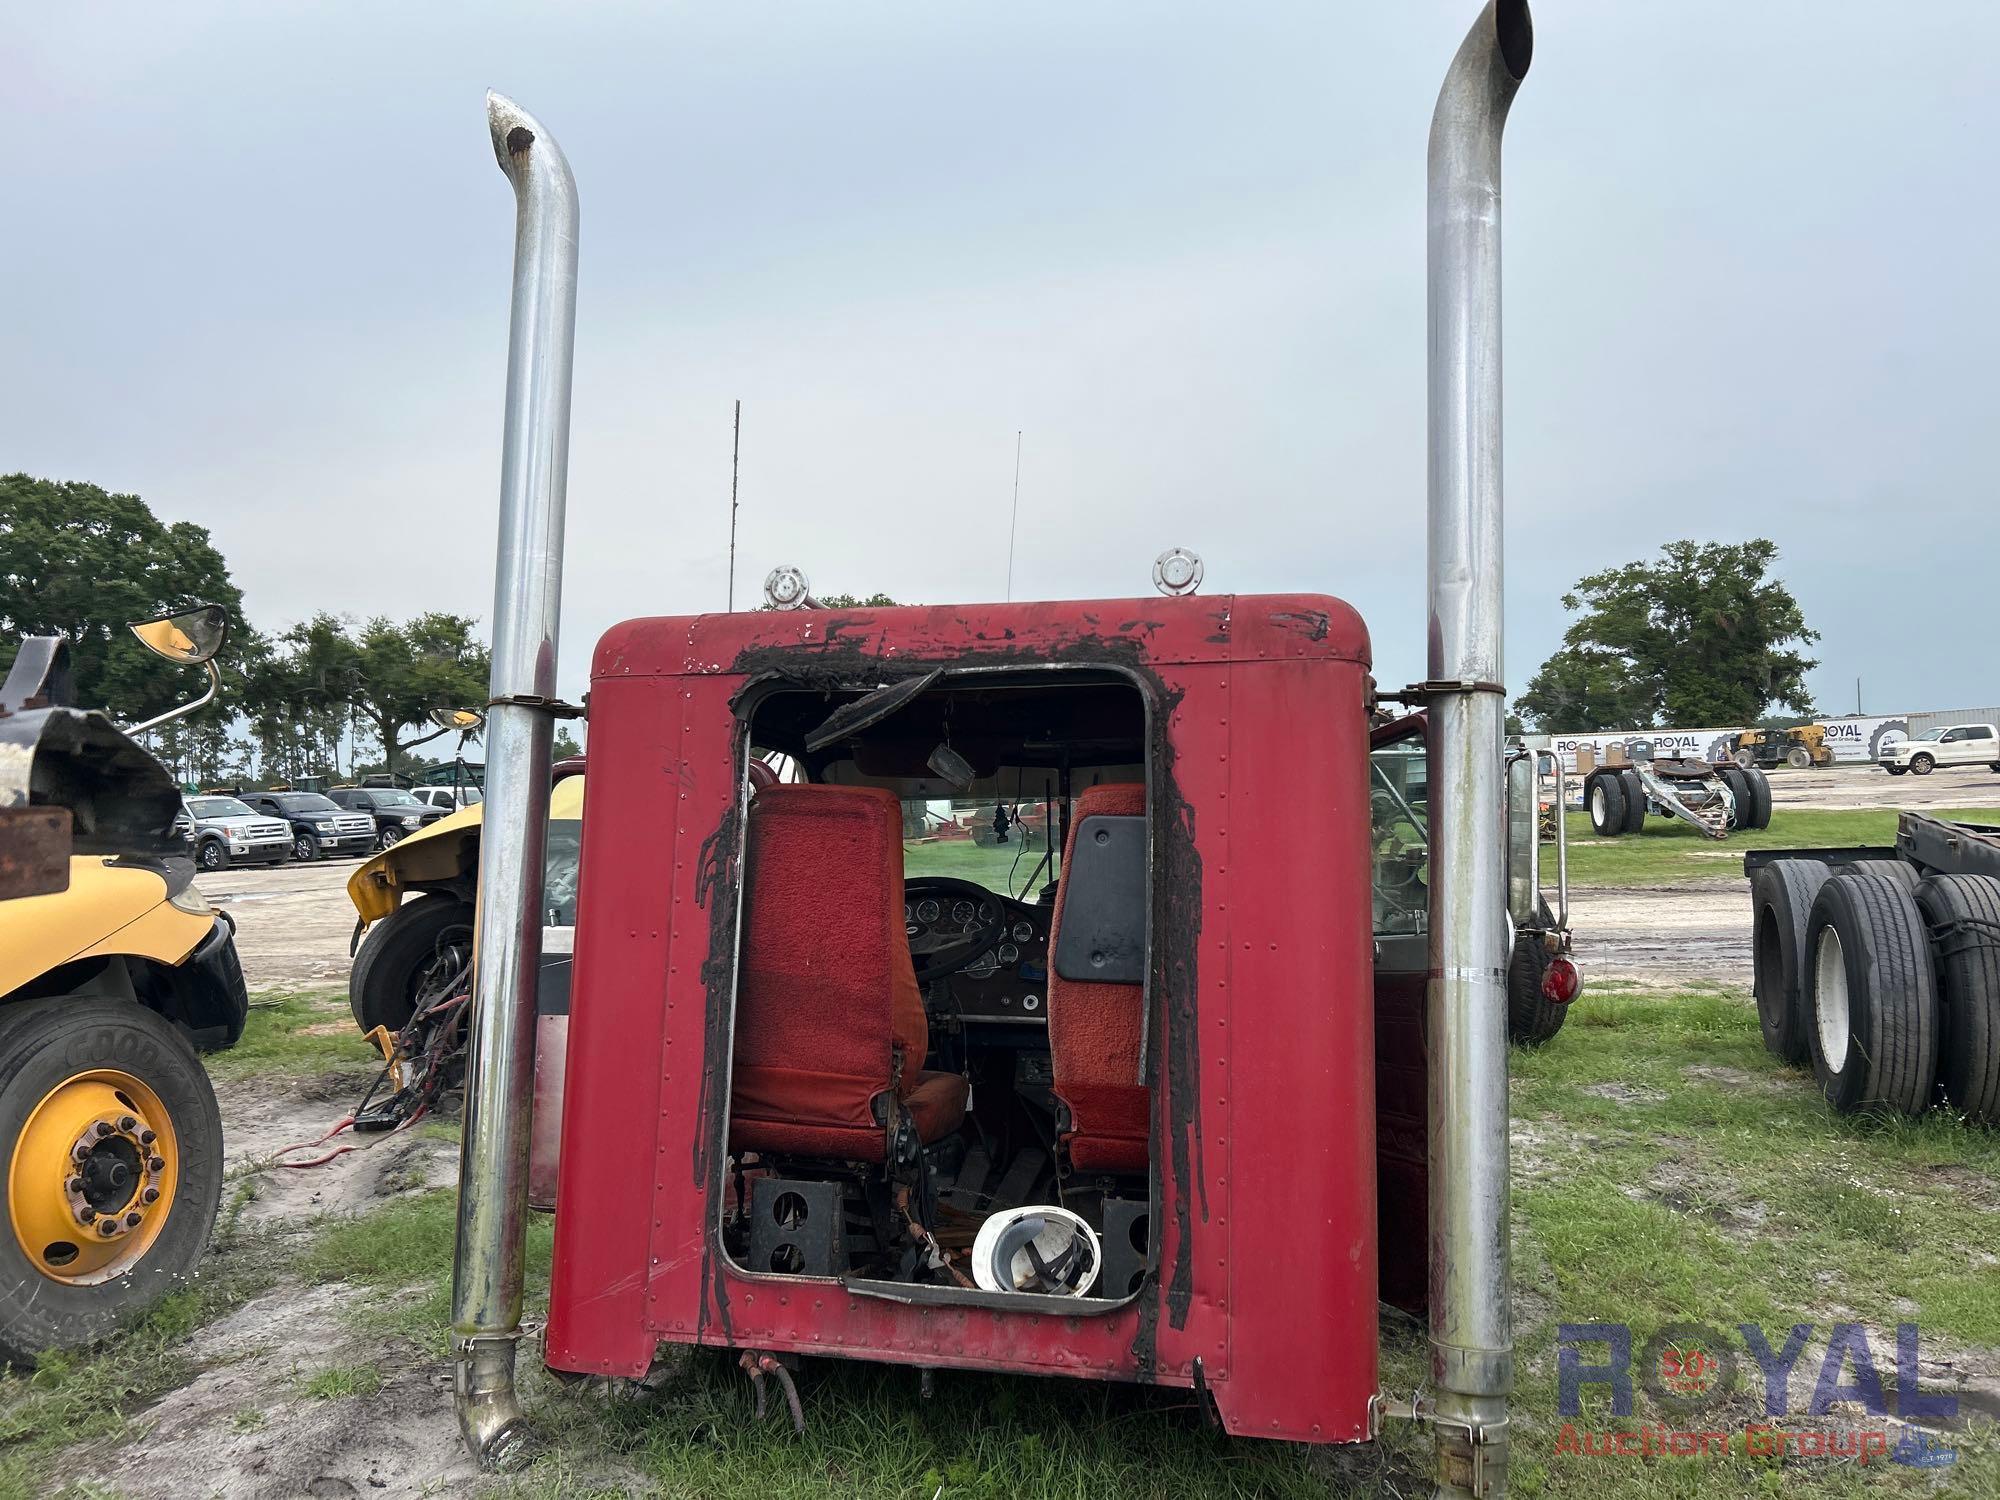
[(1103, 937)]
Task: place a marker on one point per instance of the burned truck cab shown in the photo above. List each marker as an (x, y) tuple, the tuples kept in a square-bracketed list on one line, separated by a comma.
[(983, 987)]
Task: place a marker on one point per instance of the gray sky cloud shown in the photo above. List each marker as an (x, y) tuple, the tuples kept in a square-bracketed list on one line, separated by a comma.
[(257, 271)]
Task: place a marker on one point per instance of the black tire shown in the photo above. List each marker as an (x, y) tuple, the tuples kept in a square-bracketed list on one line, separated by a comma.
[(1738, 781), (1635, 800), (305, 848), (1904, 875), (1781, 897), (1760, 798), (1799, 758), (212, 854), (1963, 913), (1531, 1019), (401, 953), (389, 837), (1872, 995), (1922, 764), (1897, 770), (1604, 797), (1745, 758), (44, 1043)]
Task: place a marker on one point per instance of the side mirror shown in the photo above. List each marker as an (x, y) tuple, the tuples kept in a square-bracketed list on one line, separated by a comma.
[(1527, 830), (1523, 840), (190, 636), (464, 720)]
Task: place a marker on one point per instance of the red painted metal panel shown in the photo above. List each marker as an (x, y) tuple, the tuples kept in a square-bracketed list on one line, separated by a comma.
[(616, 1036), (1260, 1055)]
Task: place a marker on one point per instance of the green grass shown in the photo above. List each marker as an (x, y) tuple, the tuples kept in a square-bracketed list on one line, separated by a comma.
[(997, 867), (1669, 1169), (298, 1033), (1666, 1169), (1669, 852), (339, 1381), (92, 1395)]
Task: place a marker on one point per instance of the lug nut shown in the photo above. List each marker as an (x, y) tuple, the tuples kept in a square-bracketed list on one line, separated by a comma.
[(132, 1220), (126, 1122), (74, 1185), (156, 1164), (146, 1138), (151, 1195), (104, 1129), (107, 1227), (86, 1216)]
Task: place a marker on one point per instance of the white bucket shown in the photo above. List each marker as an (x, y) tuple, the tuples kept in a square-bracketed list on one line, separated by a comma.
[(1066, 1245)]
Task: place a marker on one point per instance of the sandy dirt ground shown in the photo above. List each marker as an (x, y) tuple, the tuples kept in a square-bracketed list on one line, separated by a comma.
[(1870, 786), (293, 922)]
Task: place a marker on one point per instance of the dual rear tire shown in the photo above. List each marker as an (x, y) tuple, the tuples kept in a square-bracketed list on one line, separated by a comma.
[(1752, 790), (1615, 798), (1886, 982)]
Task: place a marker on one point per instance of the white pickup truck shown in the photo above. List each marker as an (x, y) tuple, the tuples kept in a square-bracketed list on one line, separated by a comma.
[(1960, 745)]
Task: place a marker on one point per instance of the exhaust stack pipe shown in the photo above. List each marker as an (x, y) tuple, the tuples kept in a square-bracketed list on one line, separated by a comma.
[(527, 600), (1471, 1334)]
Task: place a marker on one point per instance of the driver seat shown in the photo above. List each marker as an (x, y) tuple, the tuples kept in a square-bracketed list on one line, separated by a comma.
[(830, 1027)]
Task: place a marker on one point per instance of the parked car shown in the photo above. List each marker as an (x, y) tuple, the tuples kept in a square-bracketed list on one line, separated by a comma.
[(397, 813), (451, 799), (1960, 745), (228, 831), (319, 825)]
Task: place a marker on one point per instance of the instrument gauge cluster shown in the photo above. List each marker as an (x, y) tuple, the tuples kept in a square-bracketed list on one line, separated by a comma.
[(1002, 984)]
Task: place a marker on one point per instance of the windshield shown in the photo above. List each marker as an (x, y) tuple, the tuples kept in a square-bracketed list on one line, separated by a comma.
[(999, 843), (306, 802), (393, 799), (469, 796), (220, 807)]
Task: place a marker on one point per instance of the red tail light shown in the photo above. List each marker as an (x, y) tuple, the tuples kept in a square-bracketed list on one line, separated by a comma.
[(1561, 983)]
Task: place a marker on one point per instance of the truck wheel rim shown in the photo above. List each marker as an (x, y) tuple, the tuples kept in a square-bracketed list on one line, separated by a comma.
[(91, 1179), (1597, 812), (302, 847), (1830, 999)]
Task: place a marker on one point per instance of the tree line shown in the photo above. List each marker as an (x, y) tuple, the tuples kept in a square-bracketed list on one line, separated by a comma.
[(1702, 634), (80, 562)]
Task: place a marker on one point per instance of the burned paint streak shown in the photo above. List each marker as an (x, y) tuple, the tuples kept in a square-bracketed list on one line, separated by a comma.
[(717, 886), (1177, 911), (1177, 901), (1313, 624)]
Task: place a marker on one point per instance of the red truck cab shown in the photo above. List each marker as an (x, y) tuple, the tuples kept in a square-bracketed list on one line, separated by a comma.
[(813, 1050)]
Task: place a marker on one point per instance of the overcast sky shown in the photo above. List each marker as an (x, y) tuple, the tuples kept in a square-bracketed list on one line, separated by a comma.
[(255, 269)]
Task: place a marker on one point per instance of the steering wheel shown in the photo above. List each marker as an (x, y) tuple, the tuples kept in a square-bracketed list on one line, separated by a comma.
[(936, 955)]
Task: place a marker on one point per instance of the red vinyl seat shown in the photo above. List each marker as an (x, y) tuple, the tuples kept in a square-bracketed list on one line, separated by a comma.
[(1095, 1030), (829, 1018)]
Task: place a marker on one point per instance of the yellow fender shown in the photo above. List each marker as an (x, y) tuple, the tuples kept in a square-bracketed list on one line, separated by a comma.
[(445, 852), (109, 908)]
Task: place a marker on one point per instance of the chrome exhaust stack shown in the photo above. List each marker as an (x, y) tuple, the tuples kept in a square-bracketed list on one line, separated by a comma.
[(527, 600), (1471, 1335)]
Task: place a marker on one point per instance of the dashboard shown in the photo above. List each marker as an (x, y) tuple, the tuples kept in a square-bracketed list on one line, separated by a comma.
[(1007, 979)]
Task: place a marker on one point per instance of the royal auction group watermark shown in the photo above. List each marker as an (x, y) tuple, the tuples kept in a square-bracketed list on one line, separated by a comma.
[(1690, 1371)]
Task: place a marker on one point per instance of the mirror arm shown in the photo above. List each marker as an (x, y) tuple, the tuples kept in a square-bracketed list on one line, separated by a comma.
[(214, 687)]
